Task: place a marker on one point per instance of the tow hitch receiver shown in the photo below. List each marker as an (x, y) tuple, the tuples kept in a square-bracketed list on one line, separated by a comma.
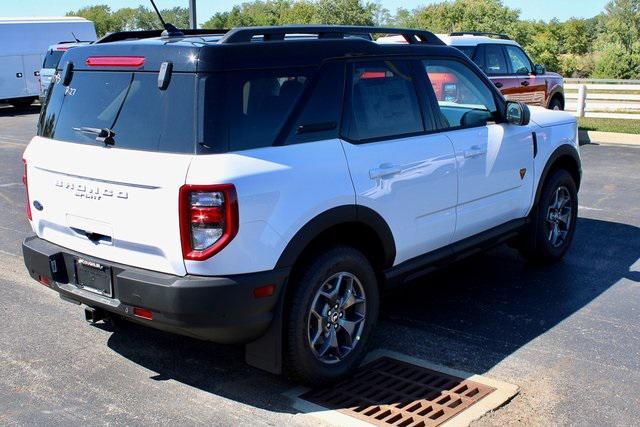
[(94, 315)]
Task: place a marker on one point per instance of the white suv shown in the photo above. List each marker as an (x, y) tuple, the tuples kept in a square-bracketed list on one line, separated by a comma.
[(246, 187)]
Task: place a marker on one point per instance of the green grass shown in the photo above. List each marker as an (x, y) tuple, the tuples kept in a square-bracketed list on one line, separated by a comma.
[(610, 125)]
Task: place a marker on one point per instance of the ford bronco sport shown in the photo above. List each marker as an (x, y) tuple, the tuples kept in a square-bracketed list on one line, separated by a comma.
[(251, 187)]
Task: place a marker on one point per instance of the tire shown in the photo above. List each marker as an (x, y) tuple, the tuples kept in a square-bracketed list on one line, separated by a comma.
[(323, 363), (540, 242), (22, 102), (556, 104)]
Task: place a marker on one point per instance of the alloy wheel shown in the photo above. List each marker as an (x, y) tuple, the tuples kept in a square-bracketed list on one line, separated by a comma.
[(336, 317), (559, 217)]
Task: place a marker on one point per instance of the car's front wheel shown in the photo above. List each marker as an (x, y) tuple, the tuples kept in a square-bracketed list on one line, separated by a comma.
[(553, 222), (333, 309)]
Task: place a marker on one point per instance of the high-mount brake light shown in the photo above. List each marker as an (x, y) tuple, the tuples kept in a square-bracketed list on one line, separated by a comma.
[(115, 61), (208, 219), (25, 181)]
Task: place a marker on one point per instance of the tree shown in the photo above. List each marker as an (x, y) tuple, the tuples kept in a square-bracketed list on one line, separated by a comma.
[(345, 12), (461, 15), (101, 16), (140, 18), (619, 43)]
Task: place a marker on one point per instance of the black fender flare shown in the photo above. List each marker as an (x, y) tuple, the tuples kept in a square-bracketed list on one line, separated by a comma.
[(335, 216), (563, 151)]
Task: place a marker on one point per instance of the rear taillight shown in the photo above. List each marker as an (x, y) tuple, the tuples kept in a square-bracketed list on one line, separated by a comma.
[(25, 181), (208, 219)]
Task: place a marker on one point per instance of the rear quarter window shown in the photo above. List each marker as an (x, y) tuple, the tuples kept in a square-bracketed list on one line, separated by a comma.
[(247, 109), (142, 116)]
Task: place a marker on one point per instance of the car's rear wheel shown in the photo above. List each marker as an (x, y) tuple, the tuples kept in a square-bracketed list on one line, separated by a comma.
[(553, 222), (333, 308), (556, 104)]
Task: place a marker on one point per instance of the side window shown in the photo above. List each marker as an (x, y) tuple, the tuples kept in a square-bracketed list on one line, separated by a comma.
[(464, 99), (383, 101), (247, 109), (520, 63), (321, 113), (494, 60), (467, 50)]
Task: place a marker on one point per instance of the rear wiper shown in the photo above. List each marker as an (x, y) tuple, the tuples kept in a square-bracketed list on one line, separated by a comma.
[(104, 135)]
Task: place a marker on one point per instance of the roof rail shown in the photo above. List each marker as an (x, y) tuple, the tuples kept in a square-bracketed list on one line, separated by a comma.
[(145, 34), (246, 34), (480, 33)]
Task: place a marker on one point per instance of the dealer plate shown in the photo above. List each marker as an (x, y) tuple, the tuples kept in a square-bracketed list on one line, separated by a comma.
[(94, 277)]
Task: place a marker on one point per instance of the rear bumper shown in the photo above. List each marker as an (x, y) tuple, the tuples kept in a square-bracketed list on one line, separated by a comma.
[(219, 309)]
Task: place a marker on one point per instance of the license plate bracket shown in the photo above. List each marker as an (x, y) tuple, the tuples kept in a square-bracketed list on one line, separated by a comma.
[(94, 277)]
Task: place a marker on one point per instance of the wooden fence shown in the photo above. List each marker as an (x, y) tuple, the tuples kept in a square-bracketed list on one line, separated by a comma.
[(611, 99)]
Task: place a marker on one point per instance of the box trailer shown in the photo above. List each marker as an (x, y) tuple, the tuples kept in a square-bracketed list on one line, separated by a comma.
[(23, 45)]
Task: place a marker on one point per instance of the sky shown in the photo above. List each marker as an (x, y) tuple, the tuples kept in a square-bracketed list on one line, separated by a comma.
[(531, 9)]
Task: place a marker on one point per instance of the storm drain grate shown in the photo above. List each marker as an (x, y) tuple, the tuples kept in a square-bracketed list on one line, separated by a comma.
[(392, 392)]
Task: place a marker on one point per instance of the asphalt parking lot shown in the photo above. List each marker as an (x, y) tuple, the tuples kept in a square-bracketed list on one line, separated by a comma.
[(568, 335)]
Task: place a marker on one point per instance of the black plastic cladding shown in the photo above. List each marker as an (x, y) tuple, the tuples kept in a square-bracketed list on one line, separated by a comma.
[(195, 54)]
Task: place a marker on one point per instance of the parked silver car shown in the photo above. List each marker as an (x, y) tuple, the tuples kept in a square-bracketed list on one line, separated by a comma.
[(51, 61)]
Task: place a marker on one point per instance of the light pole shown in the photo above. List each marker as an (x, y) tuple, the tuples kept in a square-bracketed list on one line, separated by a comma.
[(193, 22)]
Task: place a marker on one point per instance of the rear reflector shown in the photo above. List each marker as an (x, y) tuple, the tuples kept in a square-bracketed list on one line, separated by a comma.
[(115, 61), (264, 291), (142, 313), (44, 280)]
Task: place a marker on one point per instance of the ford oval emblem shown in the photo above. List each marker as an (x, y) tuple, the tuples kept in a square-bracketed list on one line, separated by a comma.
[(37, 205)]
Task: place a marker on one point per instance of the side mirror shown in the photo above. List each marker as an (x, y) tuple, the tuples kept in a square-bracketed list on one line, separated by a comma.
[(540, 69), (517, 113)]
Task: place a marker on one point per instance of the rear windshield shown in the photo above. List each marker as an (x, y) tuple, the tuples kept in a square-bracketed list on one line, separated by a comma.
[(52, 58), (131, 105)]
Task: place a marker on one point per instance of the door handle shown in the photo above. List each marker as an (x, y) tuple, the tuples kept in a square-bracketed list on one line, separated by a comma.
[(384, 170), (475, 151), (524, 83)]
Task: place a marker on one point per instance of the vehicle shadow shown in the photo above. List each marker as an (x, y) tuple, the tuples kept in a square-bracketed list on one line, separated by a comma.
[(7, 110), (495, 301)]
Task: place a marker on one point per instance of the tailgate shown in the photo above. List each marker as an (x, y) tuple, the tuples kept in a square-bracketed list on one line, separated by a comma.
[(115, 200), (118, 205)]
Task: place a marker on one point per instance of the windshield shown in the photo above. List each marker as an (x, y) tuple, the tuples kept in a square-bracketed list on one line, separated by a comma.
[(131, 105)]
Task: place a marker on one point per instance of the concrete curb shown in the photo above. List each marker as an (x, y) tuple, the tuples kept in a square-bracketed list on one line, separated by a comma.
[(589, 137)]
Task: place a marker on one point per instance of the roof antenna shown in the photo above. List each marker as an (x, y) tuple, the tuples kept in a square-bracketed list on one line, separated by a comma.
[(169, 29), (75, 38)]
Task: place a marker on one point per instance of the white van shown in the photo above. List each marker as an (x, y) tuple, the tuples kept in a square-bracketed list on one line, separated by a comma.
[(23, 46)]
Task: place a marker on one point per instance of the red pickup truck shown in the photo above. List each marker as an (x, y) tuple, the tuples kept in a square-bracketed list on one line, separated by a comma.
[(511, 69), (506, 64)]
